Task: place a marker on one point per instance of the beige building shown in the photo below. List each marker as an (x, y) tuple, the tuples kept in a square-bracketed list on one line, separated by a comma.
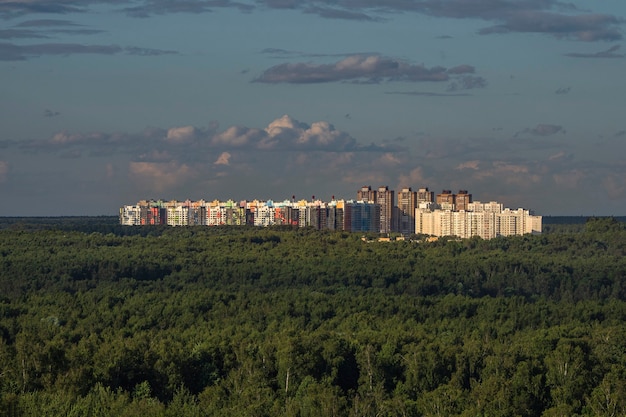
[(386, 199), (366, 194), (487, 220)]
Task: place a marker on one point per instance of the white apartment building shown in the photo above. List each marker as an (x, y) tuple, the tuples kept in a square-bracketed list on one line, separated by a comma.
[(130, 216), (487, 220), (264, 215), (215, 215), (177, 215)]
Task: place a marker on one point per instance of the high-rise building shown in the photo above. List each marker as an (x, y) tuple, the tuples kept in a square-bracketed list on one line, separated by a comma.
[(446, 200), (407, 203), (317, 215), (362, 216), (335, 216), (462, 200), (425, 196), (385, 198), (366, 194)]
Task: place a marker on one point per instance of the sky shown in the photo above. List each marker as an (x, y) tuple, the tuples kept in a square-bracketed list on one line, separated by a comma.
[(107, 102)]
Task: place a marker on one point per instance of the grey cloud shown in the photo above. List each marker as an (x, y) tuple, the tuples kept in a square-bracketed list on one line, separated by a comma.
[(277, 51), (77, 31), (427, 94), (285, 53), (160, 7), (542, 130), (549, 17), (588, 28), (50, 113), (10, 9), (43, 28), (192, 155), (546, 130), (282, 134), (12, 52), (133, 50), (510, 176), (333, 13), (609, 53), (20, 34), (281, 4), (46, 23), (563, 90), (136, 8), (462, 69), (355, 68), (467, 82), (43, 31)]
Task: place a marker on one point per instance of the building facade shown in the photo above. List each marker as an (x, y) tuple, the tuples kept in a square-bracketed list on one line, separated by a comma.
[(374, 211), (407, 203), (385, 198), (484, 220)]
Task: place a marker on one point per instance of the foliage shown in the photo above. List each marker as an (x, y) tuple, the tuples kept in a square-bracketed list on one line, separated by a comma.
[(240, 321)]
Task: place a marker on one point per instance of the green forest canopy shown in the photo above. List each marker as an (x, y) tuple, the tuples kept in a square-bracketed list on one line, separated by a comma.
[(98, 319)]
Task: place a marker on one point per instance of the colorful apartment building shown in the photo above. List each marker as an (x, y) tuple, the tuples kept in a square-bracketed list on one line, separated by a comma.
[(374, 211)]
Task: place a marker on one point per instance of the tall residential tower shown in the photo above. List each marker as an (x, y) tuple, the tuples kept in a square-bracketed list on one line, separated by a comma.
[(407, 203)]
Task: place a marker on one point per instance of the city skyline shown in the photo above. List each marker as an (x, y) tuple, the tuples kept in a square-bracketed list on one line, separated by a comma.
[(103, 101), (416, 212)]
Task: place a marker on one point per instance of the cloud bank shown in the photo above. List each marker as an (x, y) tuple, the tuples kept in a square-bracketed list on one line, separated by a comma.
[(288, 157), (609, 53), (368, 69), (549, 17), (13, 52)]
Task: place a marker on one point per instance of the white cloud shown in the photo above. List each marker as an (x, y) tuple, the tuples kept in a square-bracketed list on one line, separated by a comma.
[(468, 165), (181, 134), (414, 178), (65, 137), (160, 176), (236, 136), (390, 159), (223, 159), (557, 156)]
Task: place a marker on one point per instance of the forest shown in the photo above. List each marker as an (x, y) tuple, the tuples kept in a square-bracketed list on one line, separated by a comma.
[(97, 319)]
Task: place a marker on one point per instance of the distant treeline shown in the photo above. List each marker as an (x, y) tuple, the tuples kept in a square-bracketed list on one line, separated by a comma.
[(110, 224), (576, 219)]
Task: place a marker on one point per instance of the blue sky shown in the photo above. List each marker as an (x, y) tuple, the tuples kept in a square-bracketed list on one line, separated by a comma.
[(106, 102)]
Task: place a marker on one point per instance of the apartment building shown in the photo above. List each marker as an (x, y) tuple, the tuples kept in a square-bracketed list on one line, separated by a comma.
[(487, 221), (386, 200), (407, 203), (420, 212)]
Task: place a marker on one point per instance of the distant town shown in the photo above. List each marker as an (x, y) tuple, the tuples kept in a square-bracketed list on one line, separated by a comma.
[(373, 210)]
